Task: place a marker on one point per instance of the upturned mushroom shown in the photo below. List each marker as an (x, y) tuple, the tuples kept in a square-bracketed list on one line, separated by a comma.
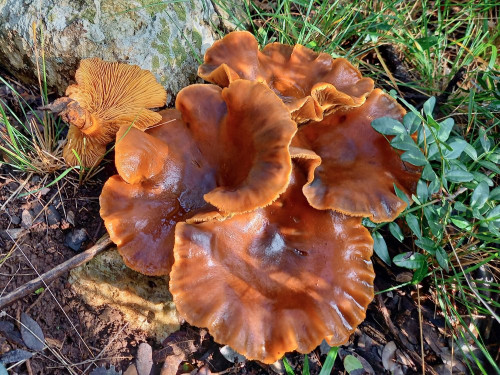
[(358, 168), (279, 278), (224, 149), (106, 96), (311, 84)]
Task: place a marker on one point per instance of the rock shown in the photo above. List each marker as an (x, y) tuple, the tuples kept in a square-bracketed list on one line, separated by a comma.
[(233, 14), (75, 239), (27, 219), (16, 220), (144, 301), (12, 234), (53, 216), (144, 360), (166, 38)]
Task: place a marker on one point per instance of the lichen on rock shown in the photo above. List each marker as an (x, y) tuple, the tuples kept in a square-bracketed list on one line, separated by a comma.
[(167, 39), (144, 301)]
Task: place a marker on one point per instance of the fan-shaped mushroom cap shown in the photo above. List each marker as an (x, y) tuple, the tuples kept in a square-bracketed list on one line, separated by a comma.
[(358, 166), (277, 279), (108, 95), (310, 84), (227, 147)]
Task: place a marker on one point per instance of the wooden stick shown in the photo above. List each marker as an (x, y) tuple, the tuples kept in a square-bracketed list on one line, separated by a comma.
[(55, 272)]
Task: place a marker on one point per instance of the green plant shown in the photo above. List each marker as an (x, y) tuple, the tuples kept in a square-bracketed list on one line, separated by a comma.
[(455, 217)]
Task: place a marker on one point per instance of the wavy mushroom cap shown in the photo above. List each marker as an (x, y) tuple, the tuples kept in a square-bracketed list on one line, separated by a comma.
[(226, 148), (311, 84), (358, 166), (108, 95), (277, 279)]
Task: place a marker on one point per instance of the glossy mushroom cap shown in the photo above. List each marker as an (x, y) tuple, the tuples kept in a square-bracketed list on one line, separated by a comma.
[(226, 148), (311, 84), (358, 166), (277, 279), (107, 96)]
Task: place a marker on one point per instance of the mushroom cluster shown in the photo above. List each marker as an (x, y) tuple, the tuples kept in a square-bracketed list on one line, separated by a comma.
[(251, 196)]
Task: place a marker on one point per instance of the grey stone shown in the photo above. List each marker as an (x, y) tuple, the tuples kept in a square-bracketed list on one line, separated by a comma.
[(144, 361), (53, 216), (16, 220), (167, 38), (75, 238), (27, 219)]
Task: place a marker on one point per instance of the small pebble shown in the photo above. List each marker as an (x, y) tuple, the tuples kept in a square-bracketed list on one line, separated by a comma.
[(27, 219), (70, 217), (75, 239), (13, 233), (53, 216), (16, 220), (144, 360)]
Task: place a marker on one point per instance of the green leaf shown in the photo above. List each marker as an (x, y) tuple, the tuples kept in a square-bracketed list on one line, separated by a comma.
[(471, 151), (404, 142), (460, 222), (459, 175), (411, 122), (480, 195), (330, 360), (428, 173), (401, 195), (459, 206), (409, 260), (412, 222), (445, 129), (495, 194), (288, 368), (427, 244), (458, 145), (489, 165), (426, 43), (388, 126), (396, 231), (434, 187), (305, 370), (415, 157), (419, 273), (429, 106), (351, 363), (422, 191), (483, 138), (494, 215), (380, 248), (442, 258)]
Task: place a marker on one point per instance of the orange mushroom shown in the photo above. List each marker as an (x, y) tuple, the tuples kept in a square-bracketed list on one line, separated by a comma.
[(226, 148), (107, 95), (358, 166), (277, 279), (311, 85)]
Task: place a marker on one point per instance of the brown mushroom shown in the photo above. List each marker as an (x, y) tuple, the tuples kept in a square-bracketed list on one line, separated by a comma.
[(311, 84), (222, 147), (358, 167), (107, 95), (277, 279)]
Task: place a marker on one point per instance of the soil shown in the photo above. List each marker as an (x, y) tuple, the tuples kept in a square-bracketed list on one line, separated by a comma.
[(35, 230)]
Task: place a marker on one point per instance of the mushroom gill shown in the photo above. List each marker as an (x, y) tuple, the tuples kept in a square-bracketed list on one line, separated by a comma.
[(310, 84), (277, 279), (226, 148), (106, 96)]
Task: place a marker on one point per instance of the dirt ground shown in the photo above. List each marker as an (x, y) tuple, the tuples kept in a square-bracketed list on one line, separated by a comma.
[(37, 233)]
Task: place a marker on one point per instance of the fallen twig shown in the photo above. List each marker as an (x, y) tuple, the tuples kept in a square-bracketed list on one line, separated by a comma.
[(56, 272)]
